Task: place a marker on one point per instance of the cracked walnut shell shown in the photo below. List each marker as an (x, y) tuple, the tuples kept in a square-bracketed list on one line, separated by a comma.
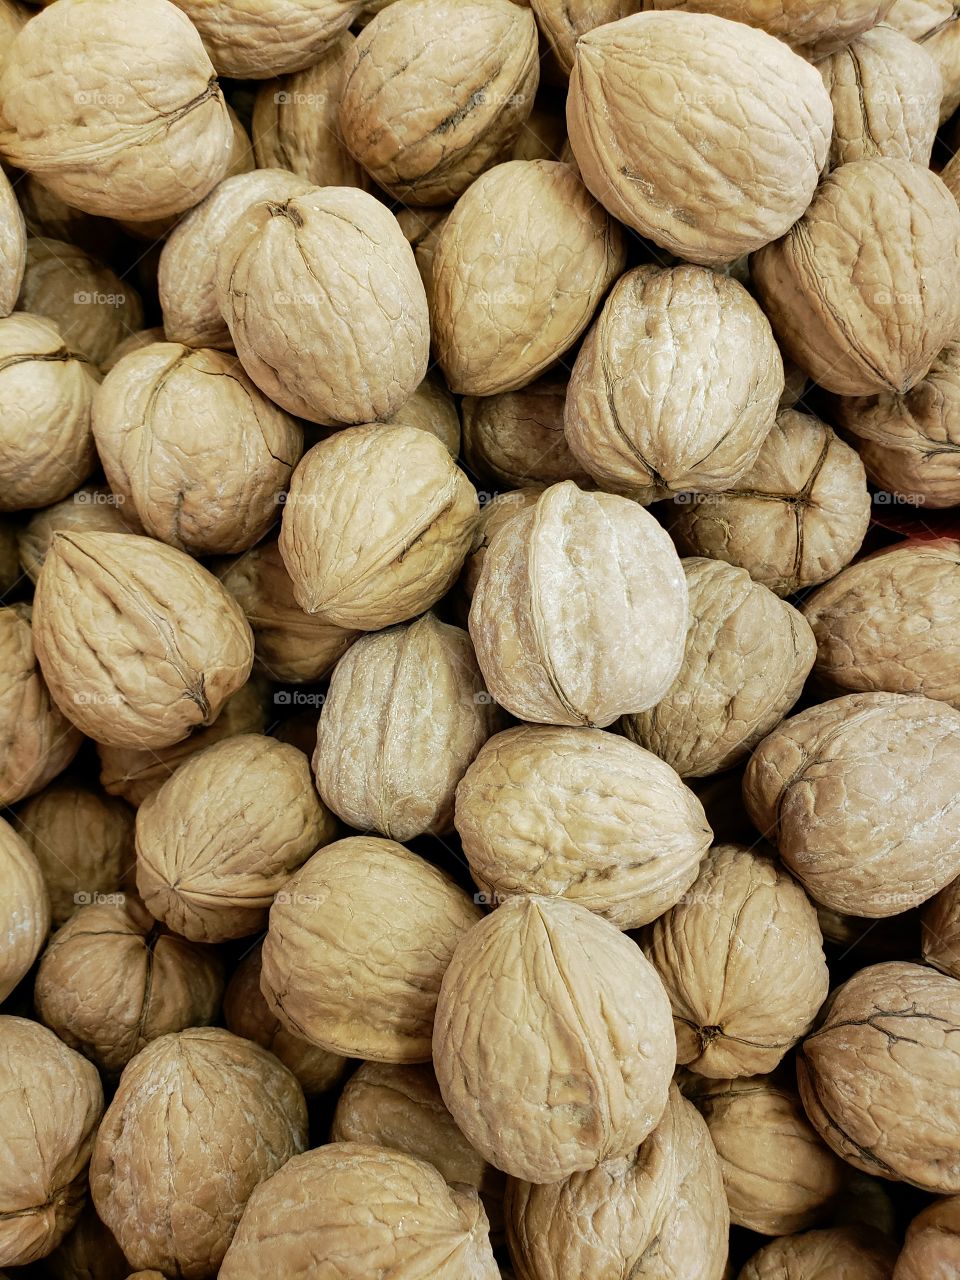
[(24, 909)]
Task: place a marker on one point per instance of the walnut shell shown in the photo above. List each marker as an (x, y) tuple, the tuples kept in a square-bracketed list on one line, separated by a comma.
[(135, 128), (864, 290), (516, 437), (137, 642), (543, 136), (676, 385), (249, 40), (563, 22), (207, 492), (200, 1118), (747, 657), (941, 930), (431, 408), (835, 1253), (661, 107), (933, 24), (318, 1207), (583, 814), (493, 516), (136, 341), (392, 540), (580, 614), (13, 253), (358, 941), (553, 1046), (25, 910), (88, 1252), (422, 229), (794, 520), (52, 1102), (325, 305), (92, 509), (931, 1250), (849, 792), (879, 1077), (496, 326), (13, 17)]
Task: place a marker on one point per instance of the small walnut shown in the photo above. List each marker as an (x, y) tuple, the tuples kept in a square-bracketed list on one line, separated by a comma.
[(835, 1253), (563, 22), (13, 236), (136, 341), (516, 438), (92, 509), (543, 136), (809, 26), (493, 516), (249, 40), (931, 1250), (422, 229), (941, 930), (431, 408), (25, 909)]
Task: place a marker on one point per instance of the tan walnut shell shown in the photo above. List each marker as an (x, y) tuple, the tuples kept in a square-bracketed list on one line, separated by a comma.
[(656, 1211), (859, 795), (810, 27), (940, 926), (747, 657), (794, 520), (199, 1119), (553, 1046), (934, 25), (431, 408), (137, 642), (422, 229), (496, 326), (213, 490), (516, 437), (583, 814), (425, 127), (52, 1102), (660, 111), (318, 1207), (25, 909), (376, 526), (676, 385), (137, 129), (879, 1077), (13, 253), (358, 942), (88, 1252), (833, 1253), (563, 22), (91, 509), (404, 717), (325, 305), (223, 835), (580, 614), (251, 39), (112, 979), (864, 290), (493, 516), (133, 342), (931, 1250)]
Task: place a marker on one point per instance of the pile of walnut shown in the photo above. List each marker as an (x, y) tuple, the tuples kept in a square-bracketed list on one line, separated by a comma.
[(480, 640)]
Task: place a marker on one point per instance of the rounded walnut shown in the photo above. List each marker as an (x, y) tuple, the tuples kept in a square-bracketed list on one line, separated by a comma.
[(135, 341), (941, 930), (92, 509), (493, 516), (835, 1253), (563, 22), (931, 1250), (24, 909), (13, 242), (431, 408), (516, 438), (249, 41), (809, 26)]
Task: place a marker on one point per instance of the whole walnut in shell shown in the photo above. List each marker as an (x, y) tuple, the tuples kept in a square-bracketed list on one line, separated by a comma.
[(88, 1252), (553, 1046), (131, 123), (835, 1253), (747, 657), (580, 614), (676, 385), (931, 1250), (941, 930), (516, 437), (879, 1077), (563, 22), (137, 642), (431, 408), (422, 229), (807, 25), (493, 516), (358, 942), (583, 814), (13, 253), (858, 794), (24, 909), (251, 40), (91, 509), (199, 1119), (933, 24), (498, 324), (135, 341)]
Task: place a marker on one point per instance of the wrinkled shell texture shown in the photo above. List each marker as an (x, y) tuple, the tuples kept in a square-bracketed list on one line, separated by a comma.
[(250, 39), (581, 813), (932, 1248), (747, 657), (676, 385), (553, 1046), (25, 910), (52, 1101), (91, 509), (13, 253), (516, 438), (493, 516), (563, 22), (137, 642), (941, 930), (580, 614), (860, 796), (662, 108), (431, 408), (836, 1253), (133, 342), (358, 942)]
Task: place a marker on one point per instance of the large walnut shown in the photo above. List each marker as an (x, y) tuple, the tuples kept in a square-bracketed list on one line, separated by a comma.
[(25, 909), (931, 1250), (13, 242), (516, 438), (91, 509), (812, 27), (251, 39), (835, 1253)]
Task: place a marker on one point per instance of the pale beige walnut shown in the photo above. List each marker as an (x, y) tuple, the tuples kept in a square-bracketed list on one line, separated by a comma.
[(91, 509), (325, 305), (46, 390), (358, 942), (88, 1252), (676, 386), (423, 228), (580, 614), (83, 841), (563, 22), (187, 270), (553, 1043), (47, 215), (13, 17), (52, 1102), (880, 1077), (318, 1207), (131, 124), (941, 930), (493, 516), (37, 741), (934, 25), (246, 1014), (376, 526), (223, 835), (431, 408), (13, 236), (199, 1120), (519, 269), (654, 1212), (834, 1253), (112, 979), (404, 717), (778, 1176), (194, 448), (25, 909), (702, 135), (137, 642), (251, 39), (794, 520), (811, 27), (748, 655), (583, 814), (931, 1250), (435, 91), (864, 291), (136, 341), (741, 958), (859, 795), (516, 437)]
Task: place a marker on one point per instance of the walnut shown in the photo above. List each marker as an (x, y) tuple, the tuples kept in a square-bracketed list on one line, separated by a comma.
[(810, 27), (13, 253), (88, 1252), (91, 509), (25, 910), (431, 408), (835, 1253), (135, 341), (931, 1250), (563, 22), (493, 516), (516, 438), (933, 24), (249, 40), (543, 136), (422, 229), (941, 930)]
